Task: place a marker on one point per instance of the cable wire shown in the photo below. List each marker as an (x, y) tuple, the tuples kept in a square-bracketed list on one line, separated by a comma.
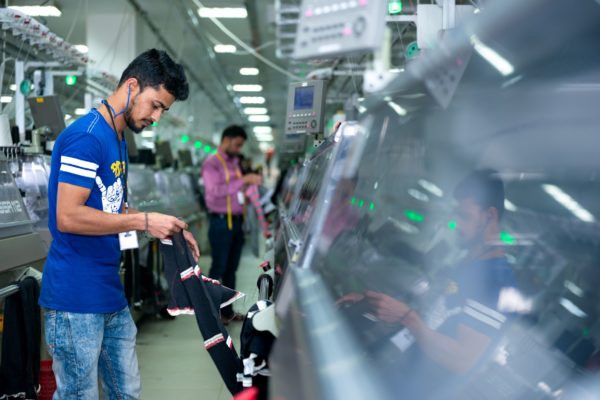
[(249, 49)]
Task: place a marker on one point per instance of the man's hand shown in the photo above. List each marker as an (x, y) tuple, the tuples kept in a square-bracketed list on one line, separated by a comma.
[(252, 179), (350, 298), (160, 225), (387, 308), (189, 238)]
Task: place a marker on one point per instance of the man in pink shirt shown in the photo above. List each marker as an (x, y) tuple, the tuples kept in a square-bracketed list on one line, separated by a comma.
[(224, 195)]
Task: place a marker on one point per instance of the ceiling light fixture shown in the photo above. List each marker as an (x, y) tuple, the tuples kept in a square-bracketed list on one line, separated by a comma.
[(252, 100), (81, 111), (397, 108), (5, 99), (255, 110), (431, 187), (262, 129), (509, 205), (249, 71), (572, 308), (259, 118), (225, 48), (222, 12), (492, 57), (247, 88), (569, 203), (264, 138), (573, 288)]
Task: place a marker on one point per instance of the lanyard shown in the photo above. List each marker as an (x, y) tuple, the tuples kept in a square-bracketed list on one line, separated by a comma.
[(237, 173), (121, 162)]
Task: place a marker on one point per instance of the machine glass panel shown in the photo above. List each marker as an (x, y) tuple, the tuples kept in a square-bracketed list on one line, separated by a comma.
[(463, 255), (306, 201)]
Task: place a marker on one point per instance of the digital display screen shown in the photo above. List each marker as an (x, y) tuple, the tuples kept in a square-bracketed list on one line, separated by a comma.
[(303, 98)]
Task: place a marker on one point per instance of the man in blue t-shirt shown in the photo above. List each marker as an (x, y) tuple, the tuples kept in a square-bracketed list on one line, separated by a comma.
[(471, 322), (88, 327)]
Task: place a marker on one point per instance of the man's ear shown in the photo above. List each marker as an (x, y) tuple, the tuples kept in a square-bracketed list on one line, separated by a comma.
[(133, 84)]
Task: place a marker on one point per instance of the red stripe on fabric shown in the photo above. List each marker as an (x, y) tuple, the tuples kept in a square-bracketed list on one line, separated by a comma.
[(216, 342)]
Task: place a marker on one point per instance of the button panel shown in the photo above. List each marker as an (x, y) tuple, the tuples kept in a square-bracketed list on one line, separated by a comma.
[(332, 27)]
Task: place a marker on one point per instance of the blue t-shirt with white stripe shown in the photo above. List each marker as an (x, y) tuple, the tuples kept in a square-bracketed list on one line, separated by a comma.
[(82, 272)]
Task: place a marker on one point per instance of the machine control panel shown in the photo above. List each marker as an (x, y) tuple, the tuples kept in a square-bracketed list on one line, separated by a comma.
[(306, 101), (329, 28)]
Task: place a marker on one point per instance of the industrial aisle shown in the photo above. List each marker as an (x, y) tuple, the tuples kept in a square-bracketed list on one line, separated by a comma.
[(173, 362)]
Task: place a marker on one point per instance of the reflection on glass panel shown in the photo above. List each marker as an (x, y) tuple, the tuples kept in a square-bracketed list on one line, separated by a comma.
[(305, 203), (463, 255)]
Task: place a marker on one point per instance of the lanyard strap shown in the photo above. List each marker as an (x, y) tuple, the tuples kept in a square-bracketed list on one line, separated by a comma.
[(237, 173), (122, 167)]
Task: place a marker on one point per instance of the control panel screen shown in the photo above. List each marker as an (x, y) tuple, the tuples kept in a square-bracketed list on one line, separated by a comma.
[(303, 98)]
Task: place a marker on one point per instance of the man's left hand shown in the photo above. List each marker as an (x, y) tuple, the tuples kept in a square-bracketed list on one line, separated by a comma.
[(189, 238)]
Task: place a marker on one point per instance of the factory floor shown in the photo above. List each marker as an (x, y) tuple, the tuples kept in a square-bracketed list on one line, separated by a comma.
[(172, 359)]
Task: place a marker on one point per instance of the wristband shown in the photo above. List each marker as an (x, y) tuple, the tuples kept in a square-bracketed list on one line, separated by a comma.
[(405, 315)]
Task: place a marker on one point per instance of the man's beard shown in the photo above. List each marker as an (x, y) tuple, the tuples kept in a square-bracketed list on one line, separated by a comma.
[(129, 119)]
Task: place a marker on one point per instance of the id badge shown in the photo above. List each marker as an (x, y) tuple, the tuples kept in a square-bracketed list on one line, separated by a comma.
[(240, 197), (128, 240), (403, 339)]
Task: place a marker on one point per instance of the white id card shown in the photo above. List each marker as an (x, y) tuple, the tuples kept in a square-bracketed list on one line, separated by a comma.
[(240, 196), (128, 240), (403, 339)]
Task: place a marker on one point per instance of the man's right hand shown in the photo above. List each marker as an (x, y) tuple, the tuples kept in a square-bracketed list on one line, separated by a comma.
[(160, 225), (252, 179)]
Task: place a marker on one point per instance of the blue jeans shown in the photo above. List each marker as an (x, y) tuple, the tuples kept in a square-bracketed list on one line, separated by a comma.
[(81, 345)]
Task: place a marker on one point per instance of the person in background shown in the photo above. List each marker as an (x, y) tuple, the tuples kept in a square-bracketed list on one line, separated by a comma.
[(224, 195), (89, 330), (268, 158)]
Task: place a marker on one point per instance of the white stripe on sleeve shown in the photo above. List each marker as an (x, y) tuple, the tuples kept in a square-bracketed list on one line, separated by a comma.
[(486, 310), (78, 163), (482, 318), (78, 171)]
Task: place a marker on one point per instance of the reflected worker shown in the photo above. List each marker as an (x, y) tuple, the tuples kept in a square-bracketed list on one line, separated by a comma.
[(224, 196), (472, 324)]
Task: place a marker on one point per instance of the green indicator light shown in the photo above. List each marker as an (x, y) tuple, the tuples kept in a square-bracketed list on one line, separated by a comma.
[(353, 201), (207, 149), (452, 225), (414, 216), (25, 87), (185, 139), (372, 206), (585, 332), (70, 80), (198, 144), (361, 203), (155, 123), (214, 152), (507, 238), (394, 7)]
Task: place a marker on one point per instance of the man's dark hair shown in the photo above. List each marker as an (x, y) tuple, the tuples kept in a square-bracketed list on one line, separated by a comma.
[(485, 188), (155, 68), (234, 131)]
